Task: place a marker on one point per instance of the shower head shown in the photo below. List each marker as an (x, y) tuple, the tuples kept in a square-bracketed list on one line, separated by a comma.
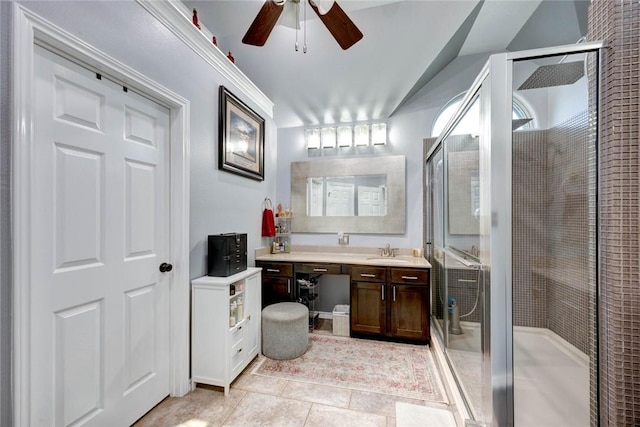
[(564, 73)]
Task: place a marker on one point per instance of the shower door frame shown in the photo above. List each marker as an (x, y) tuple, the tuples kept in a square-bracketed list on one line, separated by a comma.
[(509, 59), (496, 220)]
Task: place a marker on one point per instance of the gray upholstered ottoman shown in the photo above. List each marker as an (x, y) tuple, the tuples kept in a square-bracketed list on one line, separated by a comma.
[(285, 330)]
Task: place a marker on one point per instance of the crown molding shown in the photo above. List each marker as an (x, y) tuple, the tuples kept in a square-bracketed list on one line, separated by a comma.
[(175, 16)]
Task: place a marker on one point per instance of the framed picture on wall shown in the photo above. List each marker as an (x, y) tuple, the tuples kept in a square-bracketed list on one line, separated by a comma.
[(241, 140)]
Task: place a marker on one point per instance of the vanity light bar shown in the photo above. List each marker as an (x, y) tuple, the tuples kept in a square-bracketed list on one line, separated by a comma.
[(312, 138), (328, 137), (345, 136), (360, 135), (379, 134)]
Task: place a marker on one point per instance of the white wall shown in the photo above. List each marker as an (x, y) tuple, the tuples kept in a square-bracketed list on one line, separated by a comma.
[(407, 129), (220, 202), (404, 139)]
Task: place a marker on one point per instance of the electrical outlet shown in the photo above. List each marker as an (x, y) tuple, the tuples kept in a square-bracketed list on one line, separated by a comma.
[(343, 239)]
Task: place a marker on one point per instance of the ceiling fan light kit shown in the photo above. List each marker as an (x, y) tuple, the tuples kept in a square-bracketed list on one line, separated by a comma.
[(330, 13)]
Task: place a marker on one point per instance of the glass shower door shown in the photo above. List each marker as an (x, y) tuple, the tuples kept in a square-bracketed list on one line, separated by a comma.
[(435, 237), (454, 203), (554, 241), (514, 218)]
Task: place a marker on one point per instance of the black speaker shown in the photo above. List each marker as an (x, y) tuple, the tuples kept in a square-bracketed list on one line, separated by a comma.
[(227, 254)]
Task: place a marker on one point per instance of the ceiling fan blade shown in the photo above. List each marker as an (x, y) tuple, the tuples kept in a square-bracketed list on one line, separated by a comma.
[(261, 27), (339, 25)]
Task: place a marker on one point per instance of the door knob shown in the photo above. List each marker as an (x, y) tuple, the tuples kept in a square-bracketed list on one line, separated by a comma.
[(164, 267)]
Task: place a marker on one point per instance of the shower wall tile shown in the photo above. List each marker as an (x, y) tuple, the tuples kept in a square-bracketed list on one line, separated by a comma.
[(554, 230), (530, 234), (571, 231), (618, 24)]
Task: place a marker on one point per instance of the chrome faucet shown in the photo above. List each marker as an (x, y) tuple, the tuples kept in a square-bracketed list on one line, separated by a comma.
[(388, 251)]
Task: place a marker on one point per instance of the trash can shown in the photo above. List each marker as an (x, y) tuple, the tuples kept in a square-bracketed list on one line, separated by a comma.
[(341, 320)]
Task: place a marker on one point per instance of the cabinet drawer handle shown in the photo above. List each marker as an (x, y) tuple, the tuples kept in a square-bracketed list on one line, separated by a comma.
[(273, 270), (320, 270), (288, 286), (409, 277), (367, 275), (382, 293), (239, 350), (240, 327), (394, 293)]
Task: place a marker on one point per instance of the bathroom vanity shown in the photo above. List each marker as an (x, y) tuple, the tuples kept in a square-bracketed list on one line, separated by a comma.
[(225, 326), (389, 296)]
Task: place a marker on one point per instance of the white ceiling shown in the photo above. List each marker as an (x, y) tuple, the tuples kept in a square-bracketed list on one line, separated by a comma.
[(405, 44)]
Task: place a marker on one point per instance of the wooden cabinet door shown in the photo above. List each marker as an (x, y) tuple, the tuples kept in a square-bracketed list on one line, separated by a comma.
[(410, 311), (368, 307), (276, 289)]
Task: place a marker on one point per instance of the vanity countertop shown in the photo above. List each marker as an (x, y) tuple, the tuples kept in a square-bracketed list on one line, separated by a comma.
[(356, 256)]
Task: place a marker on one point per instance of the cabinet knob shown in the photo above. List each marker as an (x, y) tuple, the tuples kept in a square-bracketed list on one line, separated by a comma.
[(165, 267)]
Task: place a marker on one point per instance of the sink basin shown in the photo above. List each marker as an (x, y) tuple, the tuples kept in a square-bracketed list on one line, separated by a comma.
[(389, 260)]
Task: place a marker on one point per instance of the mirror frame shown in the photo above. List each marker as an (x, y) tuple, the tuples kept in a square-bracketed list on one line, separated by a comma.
[(391, 166)]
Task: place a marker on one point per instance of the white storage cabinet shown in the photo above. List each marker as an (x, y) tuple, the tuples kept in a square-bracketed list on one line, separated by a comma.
[(223, 345)]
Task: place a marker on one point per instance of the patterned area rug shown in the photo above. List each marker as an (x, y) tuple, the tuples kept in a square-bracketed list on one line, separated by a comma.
[(378, 367)]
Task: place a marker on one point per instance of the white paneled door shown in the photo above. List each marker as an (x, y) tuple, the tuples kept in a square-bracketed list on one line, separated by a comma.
[(370, 201), (340, 197), (99, 328)]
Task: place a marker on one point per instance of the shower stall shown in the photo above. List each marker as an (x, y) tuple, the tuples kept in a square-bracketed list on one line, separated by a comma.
[(511, 208)]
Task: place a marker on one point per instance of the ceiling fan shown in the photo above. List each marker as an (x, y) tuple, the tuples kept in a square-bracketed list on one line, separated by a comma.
[(330, 13)]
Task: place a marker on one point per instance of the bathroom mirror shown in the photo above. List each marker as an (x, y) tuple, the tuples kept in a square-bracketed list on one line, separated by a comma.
[(352, 195)]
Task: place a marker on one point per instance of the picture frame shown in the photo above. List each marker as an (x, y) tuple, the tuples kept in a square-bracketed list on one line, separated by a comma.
[(241, 138)]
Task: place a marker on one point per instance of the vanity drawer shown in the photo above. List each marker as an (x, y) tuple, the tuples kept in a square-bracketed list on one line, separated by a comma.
[(368, 274), (276, 268), (237, 358), (236, 335), (319, 268), (409, 276)]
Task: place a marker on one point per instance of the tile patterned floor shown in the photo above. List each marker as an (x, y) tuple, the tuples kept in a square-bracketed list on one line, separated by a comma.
[(264, 401)]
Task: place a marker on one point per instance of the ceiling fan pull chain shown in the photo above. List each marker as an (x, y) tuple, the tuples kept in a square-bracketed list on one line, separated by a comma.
[(304, 46), (297, 20)]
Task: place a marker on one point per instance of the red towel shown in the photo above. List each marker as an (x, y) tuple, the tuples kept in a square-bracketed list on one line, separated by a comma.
[(268, 223)]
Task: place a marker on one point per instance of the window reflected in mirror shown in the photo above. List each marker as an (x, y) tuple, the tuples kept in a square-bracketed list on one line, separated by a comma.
[(361, 195)]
